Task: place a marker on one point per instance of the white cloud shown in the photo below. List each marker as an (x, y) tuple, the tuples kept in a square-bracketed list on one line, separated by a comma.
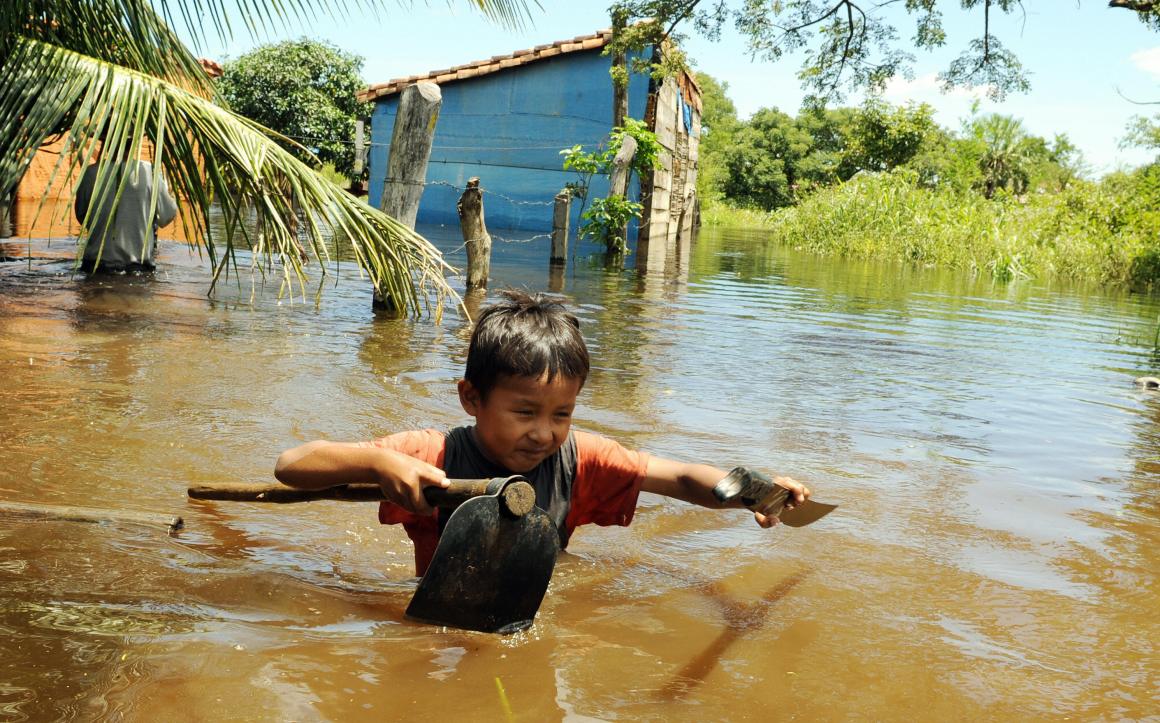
[(925, 88), (1147, 60)]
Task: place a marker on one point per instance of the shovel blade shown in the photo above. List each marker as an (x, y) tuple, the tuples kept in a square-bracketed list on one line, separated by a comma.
[(490, 570)]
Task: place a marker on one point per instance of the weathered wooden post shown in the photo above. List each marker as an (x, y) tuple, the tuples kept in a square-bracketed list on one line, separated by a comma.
[(475, 236), (410, 150), (360, 158), (621, 169), (621, 166), (560, 213), (359, 148)]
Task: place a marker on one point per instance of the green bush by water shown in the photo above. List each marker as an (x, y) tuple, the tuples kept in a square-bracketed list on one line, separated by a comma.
[(1107, 232)]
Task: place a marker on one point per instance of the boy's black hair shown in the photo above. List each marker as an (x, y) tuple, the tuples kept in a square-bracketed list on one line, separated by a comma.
[(525, 335)]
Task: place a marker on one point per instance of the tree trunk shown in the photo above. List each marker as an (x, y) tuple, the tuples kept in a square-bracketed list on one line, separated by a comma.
[(619, 74), (619, 94), (475, 236)]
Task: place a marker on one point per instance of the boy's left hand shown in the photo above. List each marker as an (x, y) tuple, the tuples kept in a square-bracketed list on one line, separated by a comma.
[(800, 493)]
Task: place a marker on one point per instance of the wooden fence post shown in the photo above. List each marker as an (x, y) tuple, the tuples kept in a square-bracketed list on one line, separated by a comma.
[(475, 236), (621, 169), (359, 148), (560, 213), (621, 166), (410, 150)]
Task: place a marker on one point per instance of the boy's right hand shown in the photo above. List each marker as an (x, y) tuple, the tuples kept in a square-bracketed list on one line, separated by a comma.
[(403, 478)]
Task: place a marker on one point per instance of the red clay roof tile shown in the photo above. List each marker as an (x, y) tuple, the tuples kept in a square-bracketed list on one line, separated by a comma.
[(498, 62)]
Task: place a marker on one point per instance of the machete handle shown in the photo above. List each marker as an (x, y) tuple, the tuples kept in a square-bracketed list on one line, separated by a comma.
[(753, 489)]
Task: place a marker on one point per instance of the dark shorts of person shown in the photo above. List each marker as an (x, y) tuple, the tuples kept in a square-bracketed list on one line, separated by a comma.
[(88, 266)]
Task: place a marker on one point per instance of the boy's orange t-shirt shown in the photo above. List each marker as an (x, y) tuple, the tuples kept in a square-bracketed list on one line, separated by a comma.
[(604, 490)]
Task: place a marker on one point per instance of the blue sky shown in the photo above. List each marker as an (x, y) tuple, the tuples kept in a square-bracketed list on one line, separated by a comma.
[(1085, 61)]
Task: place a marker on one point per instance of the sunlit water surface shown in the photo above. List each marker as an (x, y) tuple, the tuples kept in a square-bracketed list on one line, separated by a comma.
[(994, 556)]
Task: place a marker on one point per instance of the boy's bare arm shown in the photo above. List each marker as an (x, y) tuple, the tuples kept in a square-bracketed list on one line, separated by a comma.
[(694, 483), (321, 464)]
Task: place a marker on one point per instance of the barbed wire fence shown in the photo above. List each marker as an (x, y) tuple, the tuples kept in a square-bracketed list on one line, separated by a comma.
[(366, 145), (486, 193)]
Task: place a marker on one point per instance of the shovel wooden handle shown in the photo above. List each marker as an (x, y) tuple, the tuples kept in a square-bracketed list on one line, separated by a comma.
[(518, 497)]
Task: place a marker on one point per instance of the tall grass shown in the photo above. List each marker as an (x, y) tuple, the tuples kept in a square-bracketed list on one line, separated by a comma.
[(1104, 232), (720, 214)]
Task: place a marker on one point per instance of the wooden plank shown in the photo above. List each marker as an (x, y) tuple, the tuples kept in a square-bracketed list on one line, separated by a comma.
[(68, 513)]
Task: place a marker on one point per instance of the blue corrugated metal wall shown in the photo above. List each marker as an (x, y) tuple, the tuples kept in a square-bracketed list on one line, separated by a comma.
[(508, 128)]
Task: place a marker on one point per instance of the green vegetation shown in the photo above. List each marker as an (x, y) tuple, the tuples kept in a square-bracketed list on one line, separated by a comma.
[(888, 182), (305, 90), (607, 218), (987, 196), (1105, 231)]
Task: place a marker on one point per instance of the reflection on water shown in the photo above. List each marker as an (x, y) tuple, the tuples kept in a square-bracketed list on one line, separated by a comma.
[(995, 553)]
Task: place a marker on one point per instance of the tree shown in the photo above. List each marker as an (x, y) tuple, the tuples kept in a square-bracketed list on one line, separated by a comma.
[(1143, 133), (1007, 156), (113, 73), (882, 138), (305, 90), (718, 124), (852, 44), (761, 166)]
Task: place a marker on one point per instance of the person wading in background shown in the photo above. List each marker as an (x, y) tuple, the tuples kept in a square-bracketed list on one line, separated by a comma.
[(123, 230)]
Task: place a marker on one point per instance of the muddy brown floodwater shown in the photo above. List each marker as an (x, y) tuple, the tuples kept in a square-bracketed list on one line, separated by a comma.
[(995, 554)]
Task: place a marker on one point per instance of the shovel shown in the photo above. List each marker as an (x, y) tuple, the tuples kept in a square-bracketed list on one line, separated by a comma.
[(494, 559), (493, 563)]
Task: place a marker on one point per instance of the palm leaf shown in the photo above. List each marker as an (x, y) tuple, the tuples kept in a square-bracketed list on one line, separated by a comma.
[(128, 33), (511, 14), (212, 156)]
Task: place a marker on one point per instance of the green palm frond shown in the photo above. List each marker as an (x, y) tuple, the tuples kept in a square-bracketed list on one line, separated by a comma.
[(129, 33), (58, 20), (211, 156), (511, 14)]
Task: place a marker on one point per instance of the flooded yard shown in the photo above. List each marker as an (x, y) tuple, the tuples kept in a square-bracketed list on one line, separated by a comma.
[(995, 554)]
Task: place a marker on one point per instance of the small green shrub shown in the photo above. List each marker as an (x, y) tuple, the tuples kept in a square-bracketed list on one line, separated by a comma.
[(607, 219)]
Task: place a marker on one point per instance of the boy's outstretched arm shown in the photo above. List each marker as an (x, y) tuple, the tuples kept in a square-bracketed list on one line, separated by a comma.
[(321, 464), (694, 483)]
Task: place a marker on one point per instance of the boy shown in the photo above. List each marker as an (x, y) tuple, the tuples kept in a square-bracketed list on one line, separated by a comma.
[(526, 364)]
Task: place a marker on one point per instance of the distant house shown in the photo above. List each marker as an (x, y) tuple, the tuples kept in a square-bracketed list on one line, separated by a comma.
[(506, 119)]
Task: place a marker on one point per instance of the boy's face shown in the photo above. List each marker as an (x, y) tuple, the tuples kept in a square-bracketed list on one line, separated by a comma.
[(523, 420)]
